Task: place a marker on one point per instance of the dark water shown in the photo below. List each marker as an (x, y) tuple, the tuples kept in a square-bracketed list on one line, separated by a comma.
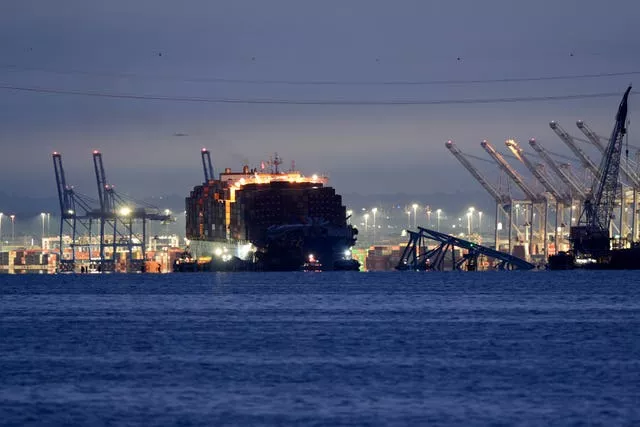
[(451, 349)]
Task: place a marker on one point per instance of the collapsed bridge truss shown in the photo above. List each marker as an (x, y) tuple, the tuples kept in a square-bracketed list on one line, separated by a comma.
[(418, 257)]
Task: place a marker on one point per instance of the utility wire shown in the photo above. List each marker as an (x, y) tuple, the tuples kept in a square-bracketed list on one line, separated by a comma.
[(323, 82), (473, 156), (304, 102), (561, 156), (530, 154)]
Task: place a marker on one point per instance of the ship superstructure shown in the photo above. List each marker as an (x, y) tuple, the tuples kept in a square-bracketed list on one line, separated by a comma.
[(270, 219)]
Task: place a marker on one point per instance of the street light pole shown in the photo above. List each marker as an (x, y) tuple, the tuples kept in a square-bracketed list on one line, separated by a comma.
[(13, 228), (469, 222), (438, 216), (415, 218), (374, 210), (1, 215), (167, 212), (408, 219), (43, 216)]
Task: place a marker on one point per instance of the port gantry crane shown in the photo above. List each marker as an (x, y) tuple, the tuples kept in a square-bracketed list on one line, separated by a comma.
[(629, 175), (575, 187), (578, 193), (118, 216), (108, 215), (560, 198), (207, 166), (503, 201), (72, 221), (584, 187), (587, 163), (535, 199), (591, 237)]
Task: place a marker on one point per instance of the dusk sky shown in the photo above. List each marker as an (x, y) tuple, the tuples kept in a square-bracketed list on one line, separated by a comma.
[(182, 50)]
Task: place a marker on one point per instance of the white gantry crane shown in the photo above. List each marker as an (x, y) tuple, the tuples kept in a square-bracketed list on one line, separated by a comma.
[(501, 200), (576, 189), (561, 199), (535, 171), (629, 175), (581, 183), (578, 192), (535, 198), (571, 143)]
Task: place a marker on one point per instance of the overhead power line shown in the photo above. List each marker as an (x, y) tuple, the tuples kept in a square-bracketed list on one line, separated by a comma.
[(322, 82), (478, 158), (305, 102), (530, 154)]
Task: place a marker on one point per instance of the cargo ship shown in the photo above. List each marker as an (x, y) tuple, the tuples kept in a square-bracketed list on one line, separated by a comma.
[(263, 219)]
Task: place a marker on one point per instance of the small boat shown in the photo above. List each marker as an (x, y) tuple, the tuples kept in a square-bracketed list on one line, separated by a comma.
[(185, 262), (312, 264)]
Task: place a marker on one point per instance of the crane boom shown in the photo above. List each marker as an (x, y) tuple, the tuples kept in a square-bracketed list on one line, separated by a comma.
[(599, 207), (101, 180), (207, 165), (519, 153), (577, 182), (105, 191), (570, 142), (629, 175), (515, 176), (500, 198), (559, 172), (65, 199), (591, 135), (68, 198)]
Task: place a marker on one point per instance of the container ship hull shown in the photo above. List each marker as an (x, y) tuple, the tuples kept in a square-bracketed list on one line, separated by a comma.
[(311, 246), (252, 220)]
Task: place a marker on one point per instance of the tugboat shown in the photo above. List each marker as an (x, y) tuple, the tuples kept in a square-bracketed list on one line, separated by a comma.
[(185, 262), (561, 261), (312, 264), (346, 265)]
